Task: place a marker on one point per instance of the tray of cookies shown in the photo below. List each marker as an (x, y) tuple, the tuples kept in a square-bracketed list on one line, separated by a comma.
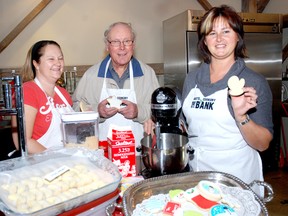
[(55, 181), (193, 193)]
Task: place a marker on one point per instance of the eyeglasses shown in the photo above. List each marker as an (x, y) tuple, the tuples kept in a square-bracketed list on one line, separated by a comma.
[(117, 43)]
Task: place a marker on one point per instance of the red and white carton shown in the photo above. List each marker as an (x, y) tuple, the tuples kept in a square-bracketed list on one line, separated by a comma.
[(121, 149)]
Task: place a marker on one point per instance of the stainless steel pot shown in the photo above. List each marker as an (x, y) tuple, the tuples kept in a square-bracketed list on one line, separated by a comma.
[(169, 155)]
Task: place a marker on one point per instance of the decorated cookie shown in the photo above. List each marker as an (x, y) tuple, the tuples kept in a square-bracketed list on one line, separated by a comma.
[(235, 85), (170, 208), (153, 205), (205, 195), (189, 208), (191, 193), (192, 213), (209, 190), (177, 195), (222, 210), (203, 203)]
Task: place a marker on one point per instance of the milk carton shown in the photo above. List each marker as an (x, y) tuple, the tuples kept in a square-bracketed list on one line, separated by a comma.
[(121, 149)]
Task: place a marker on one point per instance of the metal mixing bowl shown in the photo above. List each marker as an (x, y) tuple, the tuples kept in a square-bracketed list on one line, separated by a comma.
[(169, 155)]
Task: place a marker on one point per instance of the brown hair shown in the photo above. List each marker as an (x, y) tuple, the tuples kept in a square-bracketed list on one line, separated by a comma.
[(206, 24), (28, 70)]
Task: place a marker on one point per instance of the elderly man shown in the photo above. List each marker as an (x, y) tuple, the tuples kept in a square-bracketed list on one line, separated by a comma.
[(122, 76)]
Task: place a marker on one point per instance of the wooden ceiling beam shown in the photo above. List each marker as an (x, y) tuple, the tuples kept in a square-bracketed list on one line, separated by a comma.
[(249, 6), (254, 6), (19, 28), (261, 4), (205, 4)]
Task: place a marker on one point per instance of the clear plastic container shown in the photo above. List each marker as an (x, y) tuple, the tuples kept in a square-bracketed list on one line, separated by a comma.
[(37, 166), (80, 128)]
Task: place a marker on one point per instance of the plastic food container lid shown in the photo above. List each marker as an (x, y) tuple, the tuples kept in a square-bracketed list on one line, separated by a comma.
[(80, 116)]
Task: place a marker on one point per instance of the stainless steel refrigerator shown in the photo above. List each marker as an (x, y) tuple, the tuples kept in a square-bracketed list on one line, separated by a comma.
[(263, 38)]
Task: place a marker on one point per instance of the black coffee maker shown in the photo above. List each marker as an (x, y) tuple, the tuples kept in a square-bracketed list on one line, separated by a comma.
[(166, 109)]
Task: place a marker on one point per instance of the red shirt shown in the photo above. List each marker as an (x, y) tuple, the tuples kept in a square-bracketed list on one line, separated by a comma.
[(35, 97)]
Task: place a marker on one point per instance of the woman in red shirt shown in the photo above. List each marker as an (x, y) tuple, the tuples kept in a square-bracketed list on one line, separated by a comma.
[(44, 101)]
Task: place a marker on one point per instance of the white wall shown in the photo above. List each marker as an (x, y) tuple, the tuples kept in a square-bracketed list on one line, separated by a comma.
[(78, 26)]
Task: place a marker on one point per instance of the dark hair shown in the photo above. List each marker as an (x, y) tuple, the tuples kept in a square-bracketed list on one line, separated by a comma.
[(206, 24), (34, 54)]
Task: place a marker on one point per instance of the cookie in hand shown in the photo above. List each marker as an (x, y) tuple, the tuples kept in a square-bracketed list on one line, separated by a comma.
[(114, 102), (236, 85)]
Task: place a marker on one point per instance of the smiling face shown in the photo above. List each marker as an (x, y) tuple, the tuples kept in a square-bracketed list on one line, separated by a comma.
[(120, 55), (51, 63), (222, 40)]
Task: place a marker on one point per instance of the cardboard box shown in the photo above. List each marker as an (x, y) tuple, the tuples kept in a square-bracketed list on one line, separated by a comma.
[(121, 150)]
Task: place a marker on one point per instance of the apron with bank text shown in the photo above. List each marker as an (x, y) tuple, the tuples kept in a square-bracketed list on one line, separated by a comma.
[(218, 143), (53, 136), (118, 119)]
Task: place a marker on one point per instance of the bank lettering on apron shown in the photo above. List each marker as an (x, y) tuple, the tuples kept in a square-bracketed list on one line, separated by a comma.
[(205, 103)]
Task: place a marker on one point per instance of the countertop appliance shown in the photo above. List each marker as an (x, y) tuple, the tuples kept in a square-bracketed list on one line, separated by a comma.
[(166, 151), (263, 38), (165, 110)]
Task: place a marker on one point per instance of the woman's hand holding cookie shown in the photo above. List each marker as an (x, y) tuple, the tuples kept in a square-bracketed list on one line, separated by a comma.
[(243, 98)]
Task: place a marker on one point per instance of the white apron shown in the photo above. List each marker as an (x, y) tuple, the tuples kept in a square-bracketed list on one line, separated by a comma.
[(118, 119), (54, 136), (219, 145)]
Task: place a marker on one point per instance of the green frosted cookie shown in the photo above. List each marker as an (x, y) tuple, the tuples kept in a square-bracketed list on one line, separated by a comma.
[(192, 213), (174, 193)]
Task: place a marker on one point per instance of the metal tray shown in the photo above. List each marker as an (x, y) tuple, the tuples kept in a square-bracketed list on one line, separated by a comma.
[(95, 157), (140, 191)]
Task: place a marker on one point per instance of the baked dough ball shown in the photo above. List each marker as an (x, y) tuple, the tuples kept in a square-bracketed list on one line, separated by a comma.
[(69, 194), (23, 208), (46, 192), (21, 199), (15, 187), (37, 182), (75, 192), (35, 207), (13, 198), (235, 85), (64, 187), (84, 180), (53, 200), (85, 189), (55, 188), (28, 184), (63, 197), (97, 184), (80, 168)]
